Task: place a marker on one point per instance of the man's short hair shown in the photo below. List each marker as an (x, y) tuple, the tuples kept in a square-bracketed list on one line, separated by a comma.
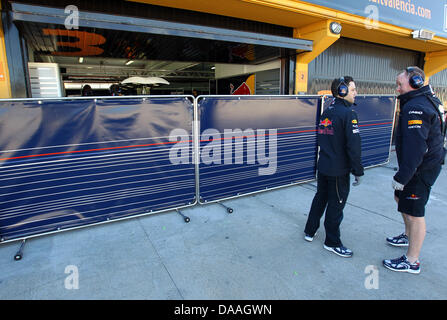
[(336, 82), (412, 71)]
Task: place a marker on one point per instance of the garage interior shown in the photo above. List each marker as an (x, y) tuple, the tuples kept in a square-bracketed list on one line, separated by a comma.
[(106, 49), (194, 50)]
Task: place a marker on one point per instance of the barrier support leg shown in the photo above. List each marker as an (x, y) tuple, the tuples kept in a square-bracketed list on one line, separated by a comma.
[(229, 210), (19, 254), (184, 217)]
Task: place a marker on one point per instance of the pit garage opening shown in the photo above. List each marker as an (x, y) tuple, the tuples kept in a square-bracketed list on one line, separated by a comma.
[(103, 50)]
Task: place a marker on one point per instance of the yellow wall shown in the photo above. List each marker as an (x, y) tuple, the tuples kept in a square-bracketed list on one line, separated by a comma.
[(5, 86), (322, 39)]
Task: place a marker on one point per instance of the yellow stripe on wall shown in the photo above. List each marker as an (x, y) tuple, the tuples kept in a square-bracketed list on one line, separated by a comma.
[(5, 85)]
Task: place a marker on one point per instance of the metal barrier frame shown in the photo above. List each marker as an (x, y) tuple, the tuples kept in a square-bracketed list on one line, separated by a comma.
[(392, 128), (109, 220), (195, 130), (253, 192)]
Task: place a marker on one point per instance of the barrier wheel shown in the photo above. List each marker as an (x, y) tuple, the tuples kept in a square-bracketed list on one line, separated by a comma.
[(187, 219), (18, 257), (229, 210)]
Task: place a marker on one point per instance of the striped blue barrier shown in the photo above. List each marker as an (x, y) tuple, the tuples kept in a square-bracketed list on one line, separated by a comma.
[(74, 162), (376, 120), (67, 163), (253, 143)]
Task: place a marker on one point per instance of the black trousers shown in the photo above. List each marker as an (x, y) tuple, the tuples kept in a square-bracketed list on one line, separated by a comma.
[(332, 193)]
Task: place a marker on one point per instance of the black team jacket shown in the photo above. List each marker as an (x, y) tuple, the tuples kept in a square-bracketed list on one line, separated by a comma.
[(339, 140), (419, 134)]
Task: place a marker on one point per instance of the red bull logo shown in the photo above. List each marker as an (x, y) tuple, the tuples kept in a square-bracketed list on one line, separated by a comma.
[(413, 197), (325, 127), (326, 122), (243, 89)]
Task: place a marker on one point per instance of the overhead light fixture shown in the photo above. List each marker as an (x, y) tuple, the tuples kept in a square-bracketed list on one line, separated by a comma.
[(81, 59), (129, 62), (213, 68), (422, 34), (335, 27)]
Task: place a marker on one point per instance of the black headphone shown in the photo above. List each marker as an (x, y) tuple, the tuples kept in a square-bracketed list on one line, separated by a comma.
[(416, 80), (342, 88), (86, 93)]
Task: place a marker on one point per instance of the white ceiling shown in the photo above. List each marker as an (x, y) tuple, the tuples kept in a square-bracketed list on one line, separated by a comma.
[(112, 69)]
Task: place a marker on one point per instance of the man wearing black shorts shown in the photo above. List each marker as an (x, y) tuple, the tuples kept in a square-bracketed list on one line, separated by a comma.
[(420, 154)]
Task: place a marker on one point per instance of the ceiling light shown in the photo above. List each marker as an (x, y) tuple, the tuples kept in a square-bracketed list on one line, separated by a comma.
[(422, 34), (335, 27), (81, 59), (129, 62)]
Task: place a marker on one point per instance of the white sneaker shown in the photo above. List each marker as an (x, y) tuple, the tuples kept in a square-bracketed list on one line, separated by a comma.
[(308, 238)]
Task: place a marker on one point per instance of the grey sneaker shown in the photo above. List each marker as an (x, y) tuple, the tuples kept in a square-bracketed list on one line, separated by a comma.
[(341, 251), (402, 265), (398, 241)]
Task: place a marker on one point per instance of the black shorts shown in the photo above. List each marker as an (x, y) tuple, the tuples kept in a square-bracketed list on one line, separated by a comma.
[(414, 197)]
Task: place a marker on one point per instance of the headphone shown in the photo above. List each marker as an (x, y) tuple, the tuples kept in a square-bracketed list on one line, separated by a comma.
[(416, 80), (342, 88), (86, 87)]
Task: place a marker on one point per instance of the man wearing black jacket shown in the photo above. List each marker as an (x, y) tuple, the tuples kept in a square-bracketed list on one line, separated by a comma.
[(340, 155), (420, 153)]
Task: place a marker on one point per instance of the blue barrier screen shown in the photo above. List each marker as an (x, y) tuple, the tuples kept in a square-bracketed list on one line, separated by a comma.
[(68, 163), (376, 116), (250, 143)]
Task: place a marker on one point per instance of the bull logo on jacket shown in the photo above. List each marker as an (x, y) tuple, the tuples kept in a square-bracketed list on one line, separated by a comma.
[(325, 127)]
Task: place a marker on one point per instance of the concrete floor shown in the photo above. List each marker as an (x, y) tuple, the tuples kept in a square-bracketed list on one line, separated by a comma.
[(258, 252)]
